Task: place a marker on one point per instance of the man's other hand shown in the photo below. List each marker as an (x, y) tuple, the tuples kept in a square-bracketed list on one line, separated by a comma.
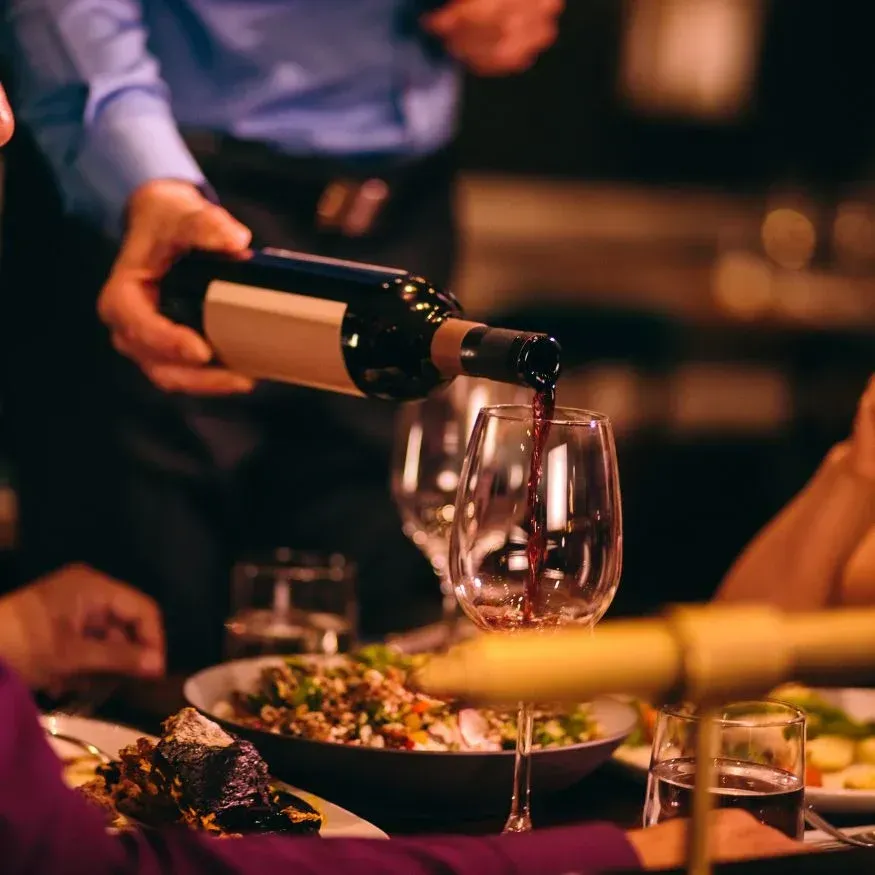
[(495, 37)]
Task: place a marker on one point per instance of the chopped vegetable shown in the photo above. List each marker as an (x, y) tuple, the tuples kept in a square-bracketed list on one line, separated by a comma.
[(865, 752), (823, 718), (830, 753), (860, 777), (643, 732), (813, 776)]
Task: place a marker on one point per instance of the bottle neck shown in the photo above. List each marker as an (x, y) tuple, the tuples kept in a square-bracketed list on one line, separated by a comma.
[(447, 346), (463, 348)]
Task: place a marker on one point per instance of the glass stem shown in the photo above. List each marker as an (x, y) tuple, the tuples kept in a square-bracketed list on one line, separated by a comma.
[(449, 605), (520, 819)]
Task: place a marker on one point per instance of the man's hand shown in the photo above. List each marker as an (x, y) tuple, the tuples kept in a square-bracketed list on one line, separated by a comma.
[(167, 218), (735, 835), (495, 37), (77, 621)]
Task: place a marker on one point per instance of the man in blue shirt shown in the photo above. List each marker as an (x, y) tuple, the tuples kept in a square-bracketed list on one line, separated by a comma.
[(319, 125)]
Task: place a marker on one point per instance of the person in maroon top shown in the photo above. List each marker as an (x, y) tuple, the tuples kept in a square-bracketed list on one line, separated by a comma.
[(70, 622)]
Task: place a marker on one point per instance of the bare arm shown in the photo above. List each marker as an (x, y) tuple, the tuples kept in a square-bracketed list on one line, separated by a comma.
[(802, 559), (797, 561)]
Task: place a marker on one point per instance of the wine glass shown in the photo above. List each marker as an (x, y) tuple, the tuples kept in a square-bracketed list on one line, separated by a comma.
[(537, 536), (430, 441)]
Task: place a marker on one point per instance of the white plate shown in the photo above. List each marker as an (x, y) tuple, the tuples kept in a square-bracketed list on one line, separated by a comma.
[(859, 703), (337, 821)]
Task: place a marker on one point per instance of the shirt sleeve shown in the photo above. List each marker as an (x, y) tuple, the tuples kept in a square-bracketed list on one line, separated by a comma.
[(583, 850), (46, 827), (92, 94)]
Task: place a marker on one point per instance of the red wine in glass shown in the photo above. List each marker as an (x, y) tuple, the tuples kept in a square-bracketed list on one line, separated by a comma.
[(543, 407), (773, 796)]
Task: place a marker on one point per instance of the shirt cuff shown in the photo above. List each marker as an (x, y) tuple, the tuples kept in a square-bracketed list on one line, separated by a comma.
[(592, 847), (132, 141)]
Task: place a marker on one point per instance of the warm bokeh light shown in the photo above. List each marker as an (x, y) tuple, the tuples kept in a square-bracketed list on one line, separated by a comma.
[(742, 285), (789, 237), (854, 231), (691, 57)]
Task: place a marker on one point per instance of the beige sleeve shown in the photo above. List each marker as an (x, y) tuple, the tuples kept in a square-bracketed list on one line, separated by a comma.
[(797, 562)]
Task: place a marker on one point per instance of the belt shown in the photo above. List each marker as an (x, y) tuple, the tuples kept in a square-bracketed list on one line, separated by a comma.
[(349, 197)]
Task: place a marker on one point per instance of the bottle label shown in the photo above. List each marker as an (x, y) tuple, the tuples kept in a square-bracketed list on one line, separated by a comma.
[(273, 335)]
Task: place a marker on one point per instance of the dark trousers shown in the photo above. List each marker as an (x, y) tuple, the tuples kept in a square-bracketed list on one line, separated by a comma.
[(167, 491)]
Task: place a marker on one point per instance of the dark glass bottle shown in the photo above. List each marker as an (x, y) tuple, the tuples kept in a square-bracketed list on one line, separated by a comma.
[(344, 327)]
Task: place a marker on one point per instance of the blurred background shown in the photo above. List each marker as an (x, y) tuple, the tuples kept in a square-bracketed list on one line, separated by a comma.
[(683, 192)]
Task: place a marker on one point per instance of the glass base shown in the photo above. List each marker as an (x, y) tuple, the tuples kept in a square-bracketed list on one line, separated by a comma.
[(518, 823)]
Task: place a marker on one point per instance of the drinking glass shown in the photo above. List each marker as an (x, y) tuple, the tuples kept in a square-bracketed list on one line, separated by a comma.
[(536, 546), (760, 764), (292, 602), (431, 437)]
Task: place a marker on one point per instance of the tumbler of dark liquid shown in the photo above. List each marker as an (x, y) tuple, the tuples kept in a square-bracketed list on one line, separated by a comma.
[(760, 765), (292, 602)]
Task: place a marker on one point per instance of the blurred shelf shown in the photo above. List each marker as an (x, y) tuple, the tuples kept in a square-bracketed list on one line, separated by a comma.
[(696, 400), (662, 250), (520, 209)]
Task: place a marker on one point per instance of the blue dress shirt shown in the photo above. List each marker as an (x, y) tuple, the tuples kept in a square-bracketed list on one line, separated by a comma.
[(105, 85)]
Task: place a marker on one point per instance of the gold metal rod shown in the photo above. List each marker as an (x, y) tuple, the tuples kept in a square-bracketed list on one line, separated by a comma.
[(698, 852), (719, 653)]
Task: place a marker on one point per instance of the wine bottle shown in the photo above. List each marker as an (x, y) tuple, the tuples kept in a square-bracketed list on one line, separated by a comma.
[(344, 327)]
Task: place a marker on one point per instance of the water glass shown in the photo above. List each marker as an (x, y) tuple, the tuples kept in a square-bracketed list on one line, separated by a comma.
[(292, 602), (760, 764)]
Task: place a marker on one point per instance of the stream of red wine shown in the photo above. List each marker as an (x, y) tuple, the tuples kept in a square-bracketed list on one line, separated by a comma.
[(543, 405)]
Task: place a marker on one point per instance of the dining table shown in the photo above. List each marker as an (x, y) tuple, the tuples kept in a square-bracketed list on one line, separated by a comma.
[(608, 794)]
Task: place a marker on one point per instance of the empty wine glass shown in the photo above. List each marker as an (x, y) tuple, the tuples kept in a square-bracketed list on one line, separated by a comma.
[(567, 494), (431, 437)]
